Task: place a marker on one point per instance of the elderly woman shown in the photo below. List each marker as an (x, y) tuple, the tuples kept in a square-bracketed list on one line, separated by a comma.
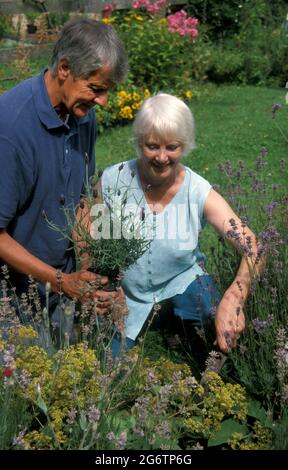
[(177, 203)]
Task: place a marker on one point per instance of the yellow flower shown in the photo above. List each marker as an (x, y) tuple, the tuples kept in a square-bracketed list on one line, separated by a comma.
[(126, 113), (188, 94), (137, 105), (135, 97), (122, 94), (108, 20), (163, 22), (139, 18), (36, 440)]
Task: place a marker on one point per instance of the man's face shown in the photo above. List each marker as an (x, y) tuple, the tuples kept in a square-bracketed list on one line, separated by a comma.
[(79, 95)]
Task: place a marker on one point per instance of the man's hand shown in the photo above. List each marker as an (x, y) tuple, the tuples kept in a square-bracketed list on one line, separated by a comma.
[(84, 286), (229, 321)]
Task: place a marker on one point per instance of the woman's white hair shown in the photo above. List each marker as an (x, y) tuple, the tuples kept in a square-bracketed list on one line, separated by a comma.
[(166, 118)]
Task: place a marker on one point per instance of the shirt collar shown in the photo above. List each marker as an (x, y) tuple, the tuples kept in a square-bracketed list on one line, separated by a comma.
[(44, 108)]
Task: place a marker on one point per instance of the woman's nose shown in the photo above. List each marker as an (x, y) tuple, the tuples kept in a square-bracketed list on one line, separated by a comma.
[(162, 154)]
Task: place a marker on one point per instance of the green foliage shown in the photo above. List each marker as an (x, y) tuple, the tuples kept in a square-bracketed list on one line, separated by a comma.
[(225, 65), (4, 24), (14, 414), (57, 19), (228, 427), (221, 18)]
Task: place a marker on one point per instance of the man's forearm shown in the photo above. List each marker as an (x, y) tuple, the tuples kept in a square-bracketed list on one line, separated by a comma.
[(19, 259)]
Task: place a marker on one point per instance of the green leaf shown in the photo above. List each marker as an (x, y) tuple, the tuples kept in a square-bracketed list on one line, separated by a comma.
[(256, 410), (228, 427), (42, 405), (83, 422)]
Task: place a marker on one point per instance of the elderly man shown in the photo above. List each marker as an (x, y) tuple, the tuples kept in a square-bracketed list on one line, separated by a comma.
[(47, 138)]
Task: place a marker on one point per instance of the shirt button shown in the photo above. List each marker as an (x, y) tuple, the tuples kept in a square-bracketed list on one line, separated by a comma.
[(66, 150), (149, 272), (149, 262)]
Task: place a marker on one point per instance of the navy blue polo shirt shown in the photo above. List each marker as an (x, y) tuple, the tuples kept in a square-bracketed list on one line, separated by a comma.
[(42, 159)]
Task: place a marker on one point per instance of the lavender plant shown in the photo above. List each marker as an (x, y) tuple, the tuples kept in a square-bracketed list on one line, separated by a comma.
[(259, 361)]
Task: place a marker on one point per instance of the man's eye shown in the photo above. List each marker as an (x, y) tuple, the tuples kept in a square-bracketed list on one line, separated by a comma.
[(97, 90)]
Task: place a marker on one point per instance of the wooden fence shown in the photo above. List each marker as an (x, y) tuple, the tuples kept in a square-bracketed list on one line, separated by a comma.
[(85, 6)]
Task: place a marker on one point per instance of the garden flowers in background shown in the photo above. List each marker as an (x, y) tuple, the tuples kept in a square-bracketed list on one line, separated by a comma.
[(178, 22), (122, 107)]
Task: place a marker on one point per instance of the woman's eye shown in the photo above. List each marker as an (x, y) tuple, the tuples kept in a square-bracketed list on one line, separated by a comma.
[(151, 146), (172, 148)]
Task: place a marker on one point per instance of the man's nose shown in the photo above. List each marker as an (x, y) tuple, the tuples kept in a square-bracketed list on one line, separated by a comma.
[(102, 99)]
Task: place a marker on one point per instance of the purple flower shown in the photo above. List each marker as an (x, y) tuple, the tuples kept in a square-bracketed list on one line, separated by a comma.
[(270, 208), (259, 325)]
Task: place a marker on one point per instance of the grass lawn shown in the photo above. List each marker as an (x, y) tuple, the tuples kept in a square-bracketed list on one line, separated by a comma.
[(232, 123)]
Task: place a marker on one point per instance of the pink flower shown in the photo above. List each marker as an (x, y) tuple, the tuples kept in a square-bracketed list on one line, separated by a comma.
[(179, 23), (153, 8), (140, 3), (136, 4), (107, 10)]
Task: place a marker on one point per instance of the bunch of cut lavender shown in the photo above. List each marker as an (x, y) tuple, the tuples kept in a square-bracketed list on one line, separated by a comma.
[(108, 235)]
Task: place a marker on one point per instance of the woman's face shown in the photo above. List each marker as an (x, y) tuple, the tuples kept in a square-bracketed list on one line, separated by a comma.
[(160, 158)]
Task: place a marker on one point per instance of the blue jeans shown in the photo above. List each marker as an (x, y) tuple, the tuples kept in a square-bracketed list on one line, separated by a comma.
[(197, 304)]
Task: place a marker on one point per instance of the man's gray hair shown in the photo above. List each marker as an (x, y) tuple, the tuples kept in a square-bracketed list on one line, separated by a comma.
[(88, 45), (166, 118)]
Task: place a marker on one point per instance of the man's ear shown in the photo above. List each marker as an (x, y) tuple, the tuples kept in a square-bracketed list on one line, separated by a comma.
[(63, 69)]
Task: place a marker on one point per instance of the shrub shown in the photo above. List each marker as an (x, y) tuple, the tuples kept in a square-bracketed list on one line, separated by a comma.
[(225, 64), (160, 59)]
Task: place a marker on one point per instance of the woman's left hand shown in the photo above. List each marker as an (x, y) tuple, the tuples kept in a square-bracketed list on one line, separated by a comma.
[(229, 321)]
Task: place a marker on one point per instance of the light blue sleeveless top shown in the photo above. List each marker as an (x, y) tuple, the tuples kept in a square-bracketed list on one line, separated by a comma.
[(172, 261)]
